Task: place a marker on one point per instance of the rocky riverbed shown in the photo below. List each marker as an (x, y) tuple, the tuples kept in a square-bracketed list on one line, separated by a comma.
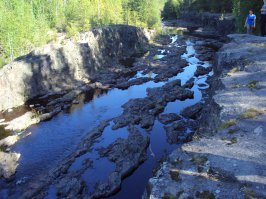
[(226, 158), (109, 125), (166, 119)]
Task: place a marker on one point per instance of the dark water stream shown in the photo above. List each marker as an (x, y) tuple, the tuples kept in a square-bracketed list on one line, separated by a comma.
[(53, 140)]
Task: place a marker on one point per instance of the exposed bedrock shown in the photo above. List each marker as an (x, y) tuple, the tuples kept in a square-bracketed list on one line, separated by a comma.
[(226, 157), (68, 65)]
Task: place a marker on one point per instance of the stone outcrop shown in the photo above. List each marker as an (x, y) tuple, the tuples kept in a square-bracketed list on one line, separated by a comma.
[(68, 65)]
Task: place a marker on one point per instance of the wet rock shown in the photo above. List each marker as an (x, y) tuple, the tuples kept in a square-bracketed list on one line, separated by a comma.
[(67, 98), (170, 92), (189, 84), (127, 154), (47, 116), (147, 122), (8, 164), (112, 186), (168, 118), (177, 133), (202, 71), (164, 40), (136, 111), (70, 187), (143, 111), (192, 112), (137, 81), (210, 43), (165, 75), (205, 57)]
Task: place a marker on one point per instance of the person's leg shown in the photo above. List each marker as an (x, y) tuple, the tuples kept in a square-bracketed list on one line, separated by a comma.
[(249, 29), (263, 25)]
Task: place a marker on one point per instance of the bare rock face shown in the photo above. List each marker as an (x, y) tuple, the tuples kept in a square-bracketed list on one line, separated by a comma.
[(60, 67)]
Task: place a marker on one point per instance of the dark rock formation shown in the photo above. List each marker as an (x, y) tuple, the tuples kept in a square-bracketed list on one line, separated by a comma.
[(59, 67), (168, 118), (192, 112), (223, 23), (177, 133), (202, 71)]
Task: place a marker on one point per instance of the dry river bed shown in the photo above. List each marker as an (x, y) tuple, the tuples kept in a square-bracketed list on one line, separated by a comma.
[(106, 138)]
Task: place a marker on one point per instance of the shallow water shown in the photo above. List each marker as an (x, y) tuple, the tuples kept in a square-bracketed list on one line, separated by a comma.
[(53, 140)]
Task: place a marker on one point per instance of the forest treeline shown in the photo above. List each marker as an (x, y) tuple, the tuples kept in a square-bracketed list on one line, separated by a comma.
[(25, 24), (239, 8)]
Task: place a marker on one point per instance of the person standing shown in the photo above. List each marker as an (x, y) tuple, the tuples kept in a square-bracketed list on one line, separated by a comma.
[(250, 23), (263, 20)]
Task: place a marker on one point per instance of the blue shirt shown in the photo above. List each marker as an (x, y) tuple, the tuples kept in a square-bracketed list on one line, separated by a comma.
[(263, 7), (251, 19)]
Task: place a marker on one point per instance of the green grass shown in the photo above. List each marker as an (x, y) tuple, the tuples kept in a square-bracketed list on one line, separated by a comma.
[(3, 148), (253, 84), (4, 133), (200, 160), (228, 123), (233, 70), (233, 141), (236, 86), (251, 113), (28, 24), (2, 62), (232, 131), (223, 138)]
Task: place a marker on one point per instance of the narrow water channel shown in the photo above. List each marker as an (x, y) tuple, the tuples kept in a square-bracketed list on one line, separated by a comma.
[(53, 140), (133, 187)]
